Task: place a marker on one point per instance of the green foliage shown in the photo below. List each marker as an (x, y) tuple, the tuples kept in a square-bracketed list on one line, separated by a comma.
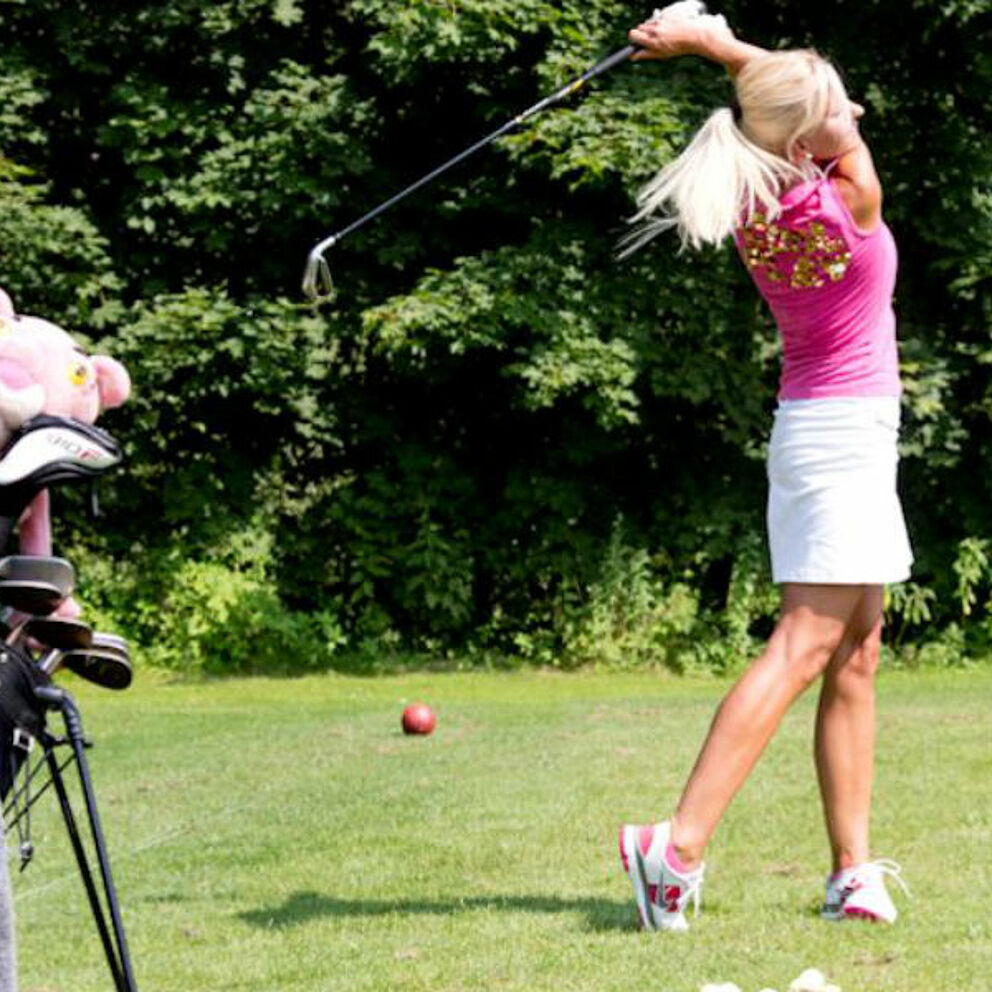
[(214, 620), (438, 460), (532, 303), (751, 598), (21, 90), (907, 605), (626, 617), (222, 391), (201, 617), (435, 33), (207, 181), (971, 567), (54, 260)]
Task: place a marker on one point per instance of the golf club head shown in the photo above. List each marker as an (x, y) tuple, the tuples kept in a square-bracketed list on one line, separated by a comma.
[(35, 585), (102, 667), (58, 632), (102, 641), (38, 568), (34, 598), (317, 282)]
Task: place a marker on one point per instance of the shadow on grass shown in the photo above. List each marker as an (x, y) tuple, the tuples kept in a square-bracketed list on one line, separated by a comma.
[(301, 907)]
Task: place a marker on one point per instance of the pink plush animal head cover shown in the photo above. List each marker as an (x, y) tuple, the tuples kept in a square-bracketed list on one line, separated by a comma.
[(42, 370)]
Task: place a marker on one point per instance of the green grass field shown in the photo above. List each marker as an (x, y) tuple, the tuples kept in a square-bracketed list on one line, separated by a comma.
[(285, 836)]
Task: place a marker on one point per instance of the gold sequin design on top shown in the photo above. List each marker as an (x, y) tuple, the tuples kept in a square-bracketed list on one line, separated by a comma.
[(806, 256)]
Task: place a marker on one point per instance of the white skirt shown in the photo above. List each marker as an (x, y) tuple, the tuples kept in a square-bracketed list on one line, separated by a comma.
[(833, 511)]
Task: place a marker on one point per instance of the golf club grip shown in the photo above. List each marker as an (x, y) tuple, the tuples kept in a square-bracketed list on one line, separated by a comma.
[(609, 62)]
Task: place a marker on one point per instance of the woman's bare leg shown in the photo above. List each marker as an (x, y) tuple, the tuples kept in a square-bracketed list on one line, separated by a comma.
[(845, 734), (811, 628)]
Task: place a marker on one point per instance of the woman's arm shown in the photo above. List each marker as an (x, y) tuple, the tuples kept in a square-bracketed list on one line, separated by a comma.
[(708, 37), (856, 180)]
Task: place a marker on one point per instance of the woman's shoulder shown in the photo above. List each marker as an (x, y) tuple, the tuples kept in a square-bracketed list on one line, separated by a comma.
[(835, 198), (856, 183), (805, 194), (795, 204)]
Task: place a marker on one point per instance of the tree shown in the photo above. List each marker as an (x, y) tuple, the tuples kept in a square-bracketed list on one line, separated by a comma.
[(494, 418)]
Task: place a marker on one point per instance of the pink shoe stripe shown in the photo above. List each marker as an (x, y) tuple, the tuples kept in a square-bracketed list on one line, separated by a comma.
[(645, 838), (623, 853)]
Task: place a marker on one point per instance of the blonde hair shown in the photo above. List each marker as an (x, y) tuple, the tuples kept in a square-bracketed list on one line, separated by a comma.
[(731, 168)]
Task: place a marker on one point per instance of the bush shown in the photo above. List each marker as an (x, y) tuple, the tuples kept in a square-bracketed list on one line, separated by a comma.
[(437, 459)]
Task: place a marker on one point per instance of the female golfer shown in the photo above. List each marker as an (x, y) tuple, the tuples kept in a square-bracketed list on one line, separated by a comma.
[(785, 172)]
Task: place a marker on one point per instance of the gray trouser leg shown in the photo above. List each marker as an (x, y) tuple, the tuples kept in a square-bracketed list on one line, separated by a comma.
[(8, 958)]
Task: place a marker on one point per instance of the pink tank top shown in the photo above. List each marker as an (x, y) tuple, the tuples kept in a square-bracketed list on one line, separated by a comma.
[(829, 286)]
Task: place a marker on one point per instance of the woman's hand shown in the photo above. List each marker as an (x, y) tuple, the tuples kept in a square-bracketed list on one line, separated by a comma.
[(672, 33)]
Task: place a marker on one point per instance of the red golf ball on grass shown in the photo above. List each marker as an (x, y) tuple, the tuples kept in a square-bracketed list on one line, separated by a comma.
[(418, 718)]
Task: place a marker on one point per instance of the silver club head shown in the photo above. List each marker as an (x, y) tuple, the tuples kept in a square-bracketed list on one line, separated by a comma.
[(317, 282), (105, 667), (110, 642), (61, 633)]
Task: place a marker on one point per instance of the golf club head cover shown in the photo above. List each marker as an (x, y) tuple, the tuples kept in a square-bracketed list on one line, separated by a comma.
[(42, 370)]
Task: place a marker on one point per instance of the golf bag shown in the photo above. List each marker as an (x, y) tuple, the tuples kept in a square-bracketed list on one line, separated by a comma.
[(22, 714), (43, 452)]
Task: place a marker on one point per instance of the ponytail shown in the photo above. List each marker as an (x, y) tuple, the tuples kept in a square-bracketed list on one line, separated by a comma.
[(704, 193)]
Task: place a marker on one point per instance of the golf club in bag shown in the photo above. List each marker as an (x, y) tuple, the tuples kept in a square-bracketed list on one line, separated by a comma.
[(48, 451)]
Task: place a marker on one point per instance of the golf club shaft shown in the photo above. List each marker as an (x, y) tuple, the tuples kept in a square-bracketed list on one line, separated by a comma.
[(50, 663), (622, 55)]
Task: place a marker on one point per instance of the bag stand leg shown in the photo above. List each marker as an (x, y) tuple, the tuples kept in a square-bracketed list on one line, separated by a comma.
[(118, 957)]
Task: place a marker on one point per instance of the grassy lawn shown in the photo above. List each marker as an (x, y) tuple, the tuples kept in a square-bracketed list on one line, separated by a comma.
[(285, 836)]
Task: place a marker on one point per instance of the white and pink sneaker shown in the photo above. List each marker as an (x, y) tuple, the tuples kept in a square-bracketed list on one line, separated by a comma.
[(662, 888), (860, 892)]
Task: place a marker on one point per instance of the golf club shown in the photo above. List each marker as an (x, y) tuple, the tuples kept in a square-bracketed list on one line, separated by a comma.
[(35, 585), (317, 275), (60, 633), (106, 661)]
